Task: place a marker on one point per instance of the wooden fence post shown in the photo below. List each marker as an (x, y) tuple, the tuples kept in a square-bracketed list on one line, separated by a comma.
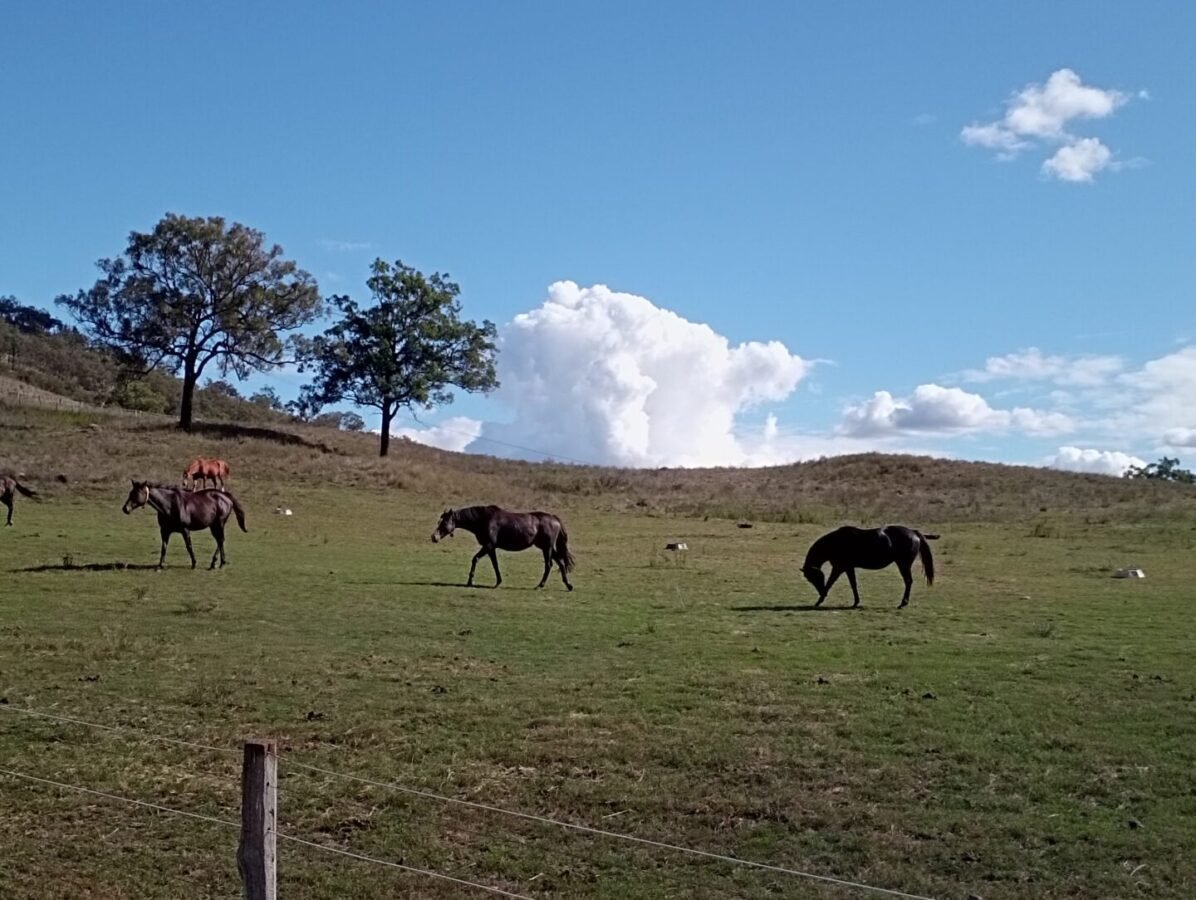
[(259, 820)]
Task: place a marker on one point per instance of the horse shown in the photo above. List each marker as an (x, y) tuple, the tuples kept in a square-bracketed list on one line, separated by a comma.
[(500, 529), (9, 488), (202, 468), (849, 548), (186, 511)]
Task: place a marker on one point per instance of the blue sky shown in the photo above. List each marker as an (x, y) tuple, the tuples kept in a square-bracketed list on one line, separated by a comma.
[(796, 173)]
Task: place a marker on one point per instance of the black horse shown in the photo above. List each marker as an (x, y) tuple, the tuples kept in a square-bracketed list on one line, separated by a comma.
[(186, 511), (849, 548), (499, 529), (9, 488)]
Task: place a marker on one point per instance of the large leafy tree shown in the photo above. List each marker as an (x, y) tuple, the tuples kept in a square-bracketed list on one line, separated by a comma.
[(407, 350), (1166, 469), (193, 293)]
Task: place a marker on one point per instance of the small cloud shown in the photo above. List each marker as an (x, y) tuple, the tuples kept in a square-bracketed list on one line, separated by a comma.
[(1032, 364), (1078, 162), (453, 434), (345, 246), (925, 119), (1144, 94), (932, 408), (1040, 114), (1099, 462), (1180, 437)]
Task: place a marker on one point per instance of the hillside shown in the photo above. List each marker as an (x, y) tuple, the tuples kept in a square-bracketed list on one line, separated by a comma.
[(95, 454)]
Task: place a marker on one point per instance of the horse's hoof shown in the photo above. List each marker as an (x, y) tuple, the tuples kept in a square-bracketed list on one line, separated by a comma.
[(569, 587)]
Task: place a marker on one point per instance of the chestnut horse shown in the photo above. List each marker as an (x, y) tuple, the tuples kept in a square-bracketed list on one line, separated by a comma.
[(202, 468)]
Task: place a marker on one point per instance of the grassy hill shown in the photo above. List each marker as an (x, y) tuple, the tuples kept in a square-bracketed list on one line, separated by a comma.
[(1024, 729)]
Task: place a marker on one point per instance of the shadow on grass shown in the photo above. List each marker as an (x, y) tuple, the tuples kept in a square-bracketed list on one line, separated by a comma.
[(809, 608), (90, 567), (229, 430), (460, 584)]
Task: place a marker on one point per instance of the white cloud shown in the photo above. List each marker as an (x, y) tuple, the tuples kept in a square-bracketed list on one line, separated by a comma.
[(453, 434), (345, 246), (1100, 462), (1079, 161), (1180, 437), (1041, 114), (1032, 364), (925, 119), (932, 408), (606, 377)]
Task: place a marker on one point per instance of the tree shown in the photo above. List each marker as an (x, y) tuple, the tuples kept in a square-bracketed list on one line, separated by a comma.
[(268, 398), (195, 292), (345, 421), (406, 351), (1166, 469), (28, 319)]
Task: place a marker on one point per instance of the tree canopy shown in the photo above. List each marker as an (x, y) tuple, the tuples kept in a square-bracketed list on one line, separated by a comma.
[(1166, 469), (410, 349), (196, 292)]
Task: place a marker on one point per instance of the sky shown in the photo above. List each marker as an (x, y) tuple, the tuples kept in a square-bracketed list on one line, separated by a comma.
[(710, 234)]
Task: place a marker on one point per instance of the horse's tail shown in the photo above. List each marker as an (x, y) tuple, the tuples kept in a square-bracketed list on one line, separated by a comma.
[(240, 513), (562, 549), (28, 492), (926, 556)]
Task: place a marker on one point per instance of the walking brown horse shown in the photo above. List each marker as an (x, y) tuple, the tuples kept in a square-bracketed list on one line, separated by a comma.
[(186, 511), (202, 468), (849, 548), (500, 529), (9, 488)]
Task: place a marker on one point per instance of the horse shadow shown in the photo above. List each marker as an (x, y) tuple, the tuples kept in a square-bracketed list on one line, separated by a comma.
[(461, 584), (791, 608), (89, 567)]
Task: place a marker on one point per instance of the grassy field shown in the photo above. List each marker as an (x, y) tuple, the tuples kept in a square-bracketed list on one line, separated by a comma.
[(1025, 729)]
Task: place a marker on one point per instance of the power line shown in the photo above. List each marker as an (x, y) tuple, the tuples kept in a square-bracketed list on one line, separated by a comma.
[(284, 837), (826, 879), (127, 732), (117, 797), (405, 868), (531, 817)]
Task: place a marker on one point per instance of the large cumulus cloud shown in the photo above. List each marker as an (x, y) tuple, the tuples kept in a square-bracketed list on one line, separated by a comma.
[(600, 376)]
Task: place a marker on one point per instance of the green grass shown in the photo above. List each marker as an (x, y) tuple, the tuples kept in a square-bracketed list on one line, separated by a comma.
[(1025, 729)]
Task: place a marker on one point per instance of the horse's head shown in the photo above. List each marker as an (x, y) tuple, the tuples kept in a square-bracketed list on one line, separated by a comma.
[(815, 577), (138, 497), (446, 526)]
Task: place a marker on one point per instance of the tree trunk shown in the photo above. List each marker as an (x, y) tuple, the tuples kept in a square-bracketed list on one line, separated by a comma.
[(188, 401), (388, 415)]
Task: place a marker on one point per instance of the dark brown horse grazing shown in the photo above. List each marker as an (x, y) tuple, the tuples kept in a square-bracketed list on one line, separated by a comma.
[(203, 468), (9, 488), (186, 511), (849, 548), (499, 529)]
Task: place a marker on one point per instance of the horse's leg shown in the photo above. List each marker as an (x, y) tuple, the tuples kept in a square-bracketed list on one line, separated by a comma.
[(835, 573), (473, 565), (560, 561), (190, 549), (907, 576), (165, 541), (8, 503), (547, 567), (218, 534), (494, 562), (855, 591)]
